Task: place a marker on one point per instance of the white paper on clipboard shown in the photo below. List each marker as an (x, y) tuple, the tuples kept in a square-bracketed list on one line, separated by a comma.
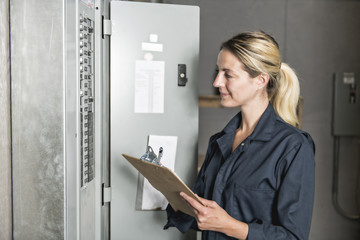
[(152, 198)]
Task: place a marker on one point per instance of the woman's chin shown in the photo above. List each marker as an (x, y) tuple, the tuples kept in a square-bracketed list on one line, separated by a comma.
[(228, 104)]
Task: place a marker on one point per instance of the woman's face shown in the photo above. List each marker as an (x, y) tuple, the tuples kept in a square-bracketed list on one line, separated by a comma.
[(236, 86)]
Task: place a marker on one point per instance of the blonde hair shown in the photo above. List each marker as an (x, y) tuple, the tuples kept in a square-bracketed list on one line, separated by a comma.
[(259, 53)]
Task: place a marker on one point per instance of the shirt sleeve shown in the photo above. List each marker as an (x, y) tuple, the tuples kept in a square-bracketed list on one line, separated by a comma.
[(180, 220), (294, 201)]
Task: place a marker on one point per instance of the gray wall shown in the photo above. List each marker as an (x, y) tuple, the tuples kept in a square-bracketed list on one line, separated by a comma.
[(37, 119), (5, 141), (317, 38)]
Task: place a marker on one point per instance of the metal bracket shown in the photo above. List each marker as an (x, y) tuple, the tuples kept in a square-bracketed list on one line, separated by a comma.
[(107, 27), (150, 156), (106, 194)]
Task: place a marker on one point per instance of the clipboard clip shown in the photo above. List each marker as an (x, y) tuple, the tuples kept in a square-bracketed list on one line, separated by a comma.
[(150, 156)]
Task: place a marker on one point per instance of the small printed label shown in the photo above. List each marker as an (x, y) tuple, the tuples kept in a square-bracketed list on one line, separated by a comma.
[(154, 47), (349, 78)]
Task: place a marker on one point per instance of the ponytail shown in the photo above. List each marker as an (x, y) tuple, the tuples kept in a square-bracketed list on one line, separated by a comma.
[(286, 97)]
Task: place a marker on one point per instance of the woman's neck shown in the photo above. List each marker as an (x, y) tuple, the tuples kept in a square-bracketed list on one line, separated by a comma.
[(251, 115)]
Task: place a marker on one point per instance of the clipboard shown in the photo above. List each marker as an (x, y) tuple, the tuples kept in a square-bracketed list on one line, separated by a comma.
[(165, 181)]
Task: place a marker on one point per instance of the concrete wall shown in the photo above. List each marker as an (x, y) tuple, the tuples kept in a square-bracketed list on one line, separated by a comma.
[(5, 140), (317, 38)]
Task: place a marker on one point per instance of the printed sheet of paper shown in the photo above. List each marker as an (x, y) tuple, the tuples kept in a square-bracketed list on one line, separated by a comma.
[(152, 198), (149, 86)]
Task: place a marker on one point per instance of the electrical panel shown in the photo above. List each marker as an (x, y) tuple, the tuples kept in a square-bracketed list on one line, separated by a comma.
[(346, 104), (153, 64), (86, 77)]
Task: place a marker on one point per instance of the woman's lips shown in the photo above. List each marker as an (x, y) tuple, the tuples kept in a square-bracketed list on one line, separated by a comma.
[(223, 95)]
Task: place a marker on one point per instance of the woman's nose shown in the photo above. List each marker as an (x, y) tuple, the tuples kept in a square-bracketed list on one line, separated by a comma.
[(218, 81)]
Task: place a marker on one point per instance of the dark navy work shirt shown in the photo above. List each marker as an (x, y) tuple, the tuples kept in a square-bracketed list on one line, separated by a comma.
[(266, 182)]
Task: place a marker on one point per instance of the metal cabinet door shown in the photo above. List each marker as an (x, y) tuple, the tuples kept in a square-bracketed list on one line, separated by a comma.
[(169, 35)]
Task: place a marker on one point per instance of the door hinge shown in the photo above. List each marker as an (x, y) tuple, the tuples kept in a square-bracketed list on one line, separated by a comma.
[(106, 194), (106, 27)]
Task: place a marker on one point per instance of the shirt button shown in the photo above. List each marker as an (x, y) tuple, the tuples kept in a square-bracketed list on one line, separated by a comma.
[(242, 144)]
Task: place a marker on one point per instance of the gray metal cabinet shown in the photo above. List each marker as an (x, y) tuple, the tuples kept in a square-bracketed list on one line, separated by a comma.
[(148, 42)]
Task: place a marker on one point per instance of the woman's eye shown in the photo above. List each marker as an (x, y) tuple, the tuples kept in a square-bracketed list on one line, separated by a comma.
[(227, 75)]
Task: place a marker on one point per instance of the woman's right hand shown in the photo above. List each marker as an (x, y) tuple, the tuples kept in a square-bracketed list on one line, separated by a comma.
[(211, 216)]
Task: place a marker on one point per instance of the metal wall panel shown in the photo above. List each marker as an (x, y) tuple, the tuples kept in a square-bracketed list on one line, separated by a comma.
[(177, 28), (37, 118), (86, 217), (49, 202), (5, 139), (71, 171), (102, 119)]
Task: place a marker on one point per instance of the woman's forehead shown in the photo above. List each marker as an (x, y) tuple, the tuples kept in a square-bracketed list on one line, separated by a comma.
[(227, 60)]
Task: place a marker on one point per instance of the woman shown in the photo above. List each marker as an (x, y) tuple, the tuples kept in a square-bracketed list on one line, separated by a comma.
[(257, 180)]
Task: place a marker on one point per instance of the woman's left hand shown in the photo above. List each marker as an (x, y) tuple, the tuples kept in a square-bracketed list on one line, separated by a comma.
[(211, 216)]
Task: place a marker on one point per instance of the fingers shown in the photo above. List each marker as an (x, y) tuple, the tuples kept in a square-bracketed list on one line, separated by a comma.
[(192, 202), (207, 215), (206, 202), (202, 208)]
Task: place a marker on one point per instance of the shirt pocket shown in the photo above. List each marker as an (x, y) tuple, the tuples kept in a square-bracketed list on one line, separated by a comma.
[(250, 204)]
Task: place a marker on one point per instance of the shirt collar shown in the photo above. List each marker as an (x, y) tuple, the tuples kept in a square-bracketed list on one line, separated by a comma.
[(264, 129)]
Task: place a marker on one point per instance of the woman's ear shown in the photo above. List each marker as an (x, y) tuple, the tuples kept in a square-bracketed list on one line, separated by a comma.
[(262, 80)]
